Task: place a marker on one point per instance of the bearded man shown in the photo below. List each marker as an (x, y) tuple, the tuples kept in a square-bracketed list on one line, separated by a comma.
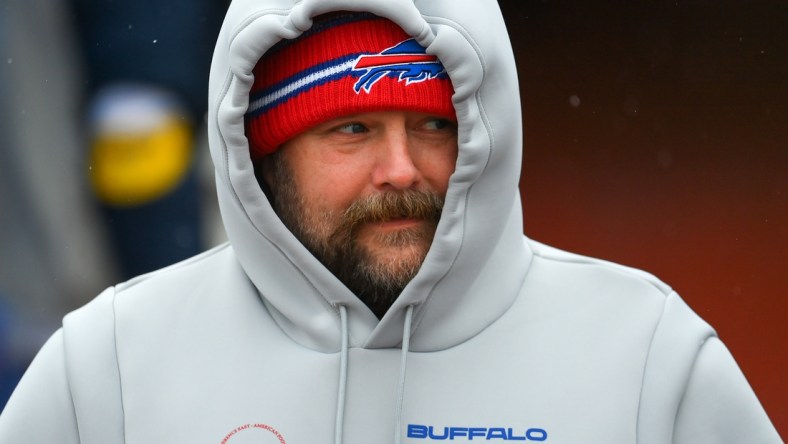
[(377, 287)]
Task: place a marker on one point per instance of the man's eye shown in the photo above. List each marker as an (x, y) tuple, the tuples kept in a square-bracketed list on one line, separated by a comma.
[(438, 124), (352, 128)]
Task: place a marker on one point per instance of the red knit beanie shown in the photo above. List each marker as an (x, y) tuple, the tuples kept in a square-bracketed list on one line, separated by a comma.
[(347, 63)]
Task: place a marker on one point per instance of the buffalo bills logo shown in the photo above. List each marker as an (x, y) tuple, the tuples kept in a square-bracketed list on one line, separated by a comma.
[(407, 60)]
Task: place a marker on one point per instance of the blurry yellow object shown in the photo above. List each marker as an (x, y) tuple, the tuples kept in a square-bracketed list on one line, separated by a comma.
[(133, 168)]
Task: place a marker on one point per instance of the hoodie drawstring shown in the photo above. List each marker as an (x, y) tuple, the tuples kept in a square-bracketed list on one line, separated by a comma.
[(402, 366), (341, 391), (342, 377)]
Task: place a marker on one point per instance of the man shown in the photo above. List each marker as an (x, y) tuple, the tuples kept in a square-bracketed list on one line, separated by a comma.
[(377, 286)]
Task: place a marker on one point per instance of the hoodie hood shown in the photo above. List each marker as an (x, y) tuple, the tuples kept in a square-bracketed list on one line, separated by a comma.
[(478, 259)]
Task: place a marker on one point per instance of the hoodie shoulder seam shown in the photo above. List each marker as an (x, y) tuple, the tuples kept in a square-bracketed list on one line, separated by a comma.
[(553, 254)]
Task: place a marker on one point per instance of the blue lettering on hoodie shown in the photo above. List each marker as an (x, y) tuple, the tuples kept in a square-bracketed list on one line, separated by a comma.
[(456, 433)]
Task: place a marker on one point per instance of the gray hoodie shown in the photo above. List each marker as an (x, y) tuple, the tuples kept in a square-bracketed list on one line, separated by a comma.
[(497, 338)]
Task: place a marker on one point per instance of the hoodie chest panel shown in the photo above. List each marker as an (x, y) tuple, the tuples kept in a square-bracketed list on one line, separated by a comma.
[(504, 390), (249, 393), (492, 393), (539, 367), (564, 364)]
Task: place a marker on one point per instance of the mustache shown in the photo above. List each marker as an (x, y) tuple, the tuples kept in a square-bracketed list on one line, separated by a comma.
[(409, 204)]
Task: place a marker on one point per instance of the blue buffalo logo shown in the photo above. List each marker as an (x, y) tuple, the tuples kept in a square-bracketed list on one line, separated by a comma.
[(407, 60)]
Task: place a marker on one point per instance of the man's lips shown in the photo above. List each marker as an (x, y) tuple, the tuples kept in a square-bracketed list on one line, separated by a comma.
[(396, 224)]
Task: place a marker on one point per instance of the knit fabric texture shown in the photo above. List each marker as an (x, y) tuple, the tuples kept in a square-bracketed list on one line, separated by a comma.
[(346, 63)]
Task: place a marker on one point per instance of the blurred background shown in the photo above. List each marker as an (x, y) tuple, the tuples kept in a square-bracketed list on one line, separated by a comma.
[(104, 171), (656, 135)]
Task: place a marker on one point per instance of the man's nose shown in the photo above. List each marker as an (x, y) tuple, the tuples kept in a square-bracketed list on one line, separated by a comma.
[(395, 168)]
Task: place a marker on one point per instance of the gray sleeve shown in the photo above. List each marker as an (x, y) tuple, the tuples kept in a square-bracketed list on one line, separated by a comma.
[(693, 390), (718, 405), (41, 408)]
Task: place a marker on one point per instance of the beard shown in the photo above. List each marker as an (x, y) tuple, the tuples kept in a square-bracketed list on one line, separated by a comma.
[(335, 239)]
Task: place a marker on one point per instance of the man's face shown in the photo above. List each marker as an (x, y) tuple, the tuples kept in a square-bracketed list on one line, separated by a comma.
[(364, 194)]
